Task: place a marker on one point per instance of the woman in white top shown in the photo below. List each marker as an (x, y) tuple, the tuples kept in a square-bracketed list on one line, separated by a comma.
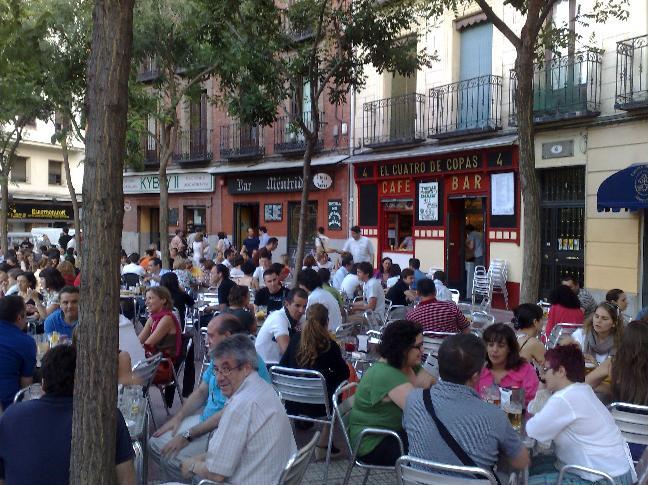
[(581, 427), (600, 336), (199, 248)]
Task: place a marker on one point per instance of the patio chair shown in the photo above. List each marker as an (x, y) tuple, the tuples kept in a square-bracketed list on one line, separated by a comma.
[(145, 370), (342, 410), (632, 420), (567, 468), (187, 343), (33, 391), (559, 331), (415, 471), (305, 386), (294, 471)]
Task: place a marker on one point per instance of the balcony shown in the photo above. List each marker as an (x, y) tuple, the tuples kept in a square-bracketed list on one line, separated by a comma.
[(148, 71), (240, 142), (393, 121), (564, 88), (289, 139), (466, 107), (296, 33), (193, 146), (151, 155), (632, 74)]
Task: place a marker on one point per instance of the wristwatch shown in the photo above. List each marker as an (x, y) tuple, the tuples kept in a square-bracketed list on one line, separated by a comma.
[(187, 435)]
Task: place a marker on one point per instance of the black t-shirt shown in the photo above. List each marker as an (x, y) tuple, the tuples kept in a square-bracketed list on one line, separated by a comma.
[(272, 301), (397, 293), (223, 291)]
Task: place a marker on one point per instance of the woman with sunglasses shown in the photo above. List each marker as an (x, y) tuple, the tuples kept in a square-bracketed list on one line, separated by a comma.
[(382, 393), (580, 426), (601, 335), (504, 366)]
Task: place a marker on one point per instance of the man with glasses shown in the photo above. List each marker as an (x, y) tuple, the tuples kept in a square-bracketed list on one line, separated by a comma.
[(254, 439), (187, 433), (17, 350)]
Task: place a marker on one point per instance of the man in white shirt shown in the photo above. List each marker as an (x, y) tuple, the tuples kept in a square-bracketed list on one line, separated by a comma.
[(343, 270), (265, 262), (230, 256), (360, 247), (273, 337), (310, 281), (254, 439), (350, 285), (321, 241), (133, 266), (373, 292)]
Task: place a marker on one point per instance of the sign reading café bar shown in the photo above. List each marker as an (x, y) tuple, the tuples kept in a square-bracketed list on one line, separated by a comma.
[(437, 166), (178, 182), (264, 184)]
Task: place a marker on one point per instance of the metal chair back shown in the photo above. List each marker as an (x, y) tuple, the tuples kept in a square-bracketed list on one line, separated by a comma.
[(559, 331), (568, 468), (130, 279), (481, 319), (302, 386), (455, 295), (294, 471), (145, 370), (632, 420), (642, 469), (415, 471), (33, 391)]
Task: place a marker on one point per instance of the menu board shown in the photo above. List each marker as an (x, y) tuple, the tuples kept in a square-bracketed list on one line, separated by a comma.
[(334, 215)]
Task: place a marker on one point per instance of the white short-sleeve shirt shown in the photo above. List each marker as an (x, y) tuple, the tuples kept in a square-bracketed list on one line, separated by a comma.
[(322, 296), (361, 249), (276, 325), (258, 275), (349, 285), (373, 289)]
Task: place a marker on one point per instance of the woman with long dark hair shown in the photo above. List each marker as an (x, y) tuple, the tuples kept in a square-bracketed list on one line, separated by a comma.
[(383, 272), (315, 348), (504, 366), (565, 308), (527, 321), (51, 283)]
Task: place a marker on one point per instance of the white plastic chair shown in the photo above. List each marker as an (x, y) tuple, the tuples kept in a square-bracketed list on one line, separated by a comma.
[(307, 387), (342, 410), (415, 471)]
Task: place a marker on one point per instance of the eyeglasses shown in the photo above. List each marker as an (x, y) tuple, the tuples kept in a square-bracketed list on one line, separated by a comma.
[(546, 369), (418, 346), (226, 371)]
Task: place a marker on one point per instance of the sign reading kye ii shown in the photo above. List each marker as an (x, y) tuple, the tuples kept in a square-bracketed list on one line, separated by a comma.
[(178, 182)]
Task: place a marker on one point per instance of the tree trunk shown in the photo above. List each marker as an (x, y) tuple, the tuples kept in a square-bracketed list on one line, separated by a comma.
[(303, 210), (4, 211), (528, 175), (168, 144), (95, 391), (73, 196)]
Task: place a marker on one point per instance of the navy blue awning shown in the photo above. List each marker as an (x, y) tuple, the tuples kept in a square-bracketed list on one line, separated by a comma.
[(627, 189)]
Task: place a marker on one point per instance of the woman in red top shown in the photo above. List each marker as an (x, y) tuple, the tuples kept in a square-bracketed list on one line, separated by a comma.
[(565, 308)]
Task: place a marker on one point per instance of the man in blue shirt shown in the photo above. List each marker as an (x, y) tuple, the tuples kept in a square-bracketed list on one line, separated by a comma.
[(36, 435), (65, 319), (414, 265), (17, 350), (187, 433), (155, 272)]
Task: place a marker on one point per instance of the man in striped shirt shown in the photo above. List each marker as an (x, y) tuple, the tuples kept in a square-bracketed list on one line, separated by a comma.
[(435, 315)]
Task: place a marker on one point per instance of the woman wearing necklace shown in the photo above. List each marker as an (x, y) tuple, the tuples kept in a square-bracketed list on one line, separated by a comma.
[(527, 320), (600, 337)]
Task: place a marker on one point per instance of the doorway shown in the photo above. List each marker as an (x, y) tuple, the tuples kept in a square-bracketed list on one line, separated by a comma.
[(461, 212), (196, 217), (149, 227), (245, 215)]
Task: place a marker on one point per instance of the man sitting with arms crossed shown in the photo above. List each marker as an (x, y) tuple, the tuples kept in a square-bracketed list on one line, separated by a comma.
[(274, 336), (65, 319), (434, 315), (187, 433), (254, 440), (273, 293), (36, 435), (479, 428)]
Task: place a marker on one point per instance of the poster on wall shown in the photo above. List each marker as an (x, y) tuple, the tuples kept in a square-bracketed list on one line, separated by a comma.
[(428, 201), (503, 194), (334, 215), (272, 212)]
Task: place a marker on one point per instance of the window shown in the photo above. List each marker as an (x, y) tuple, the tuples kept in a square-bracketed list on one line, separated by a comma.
[(19, 170), (55, 173)]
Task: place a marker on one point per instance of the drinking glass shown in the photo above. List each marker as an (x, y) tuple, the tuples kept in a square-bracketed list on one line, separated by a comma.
[(491, 394)]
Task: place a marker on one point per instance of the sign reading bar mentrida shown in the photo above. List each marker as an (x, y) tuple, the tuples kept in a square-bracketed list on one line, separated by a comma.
[(263, 184), (178, 182), (35, 211)]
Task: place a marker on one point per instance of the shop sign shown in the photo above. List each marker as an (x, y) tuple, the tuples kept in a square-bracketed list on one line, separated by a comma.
[(396, 187), (263, 184), (322, 181), (465, 183), (178, 182), (34, 211), (334, 215), (428, 201)]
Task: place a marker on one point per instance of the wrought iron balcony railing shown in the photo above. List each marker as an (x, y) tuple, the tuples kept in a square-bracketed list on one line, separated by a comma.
[(632, 73), (563, 88), (394, 121), (465, 107), (289, 139), (193, 146), (241, 142)]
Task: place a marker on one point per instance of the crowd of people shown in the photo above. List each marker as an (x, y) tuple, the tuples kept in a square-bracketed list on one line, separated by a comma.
[(232, 426)]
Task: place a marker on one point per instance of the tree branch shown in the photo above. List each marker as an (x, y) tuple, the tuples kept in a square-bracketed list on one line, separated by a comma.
[(544, 12), (499, 23)]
